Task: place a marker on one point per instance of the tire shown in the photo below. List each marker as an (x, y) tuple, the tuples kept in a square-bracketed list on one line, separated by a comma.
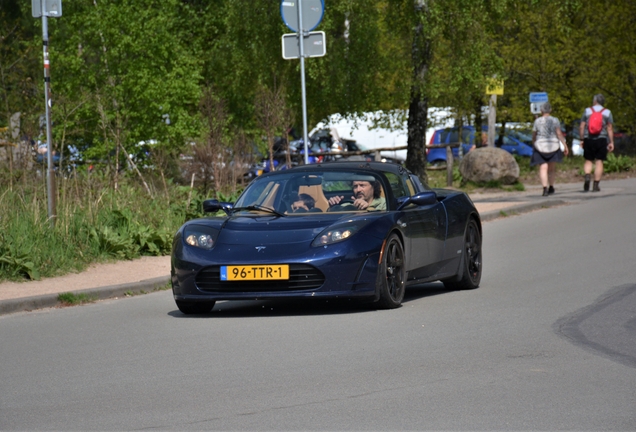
[(391, 279), (469, 274), (195, 308)]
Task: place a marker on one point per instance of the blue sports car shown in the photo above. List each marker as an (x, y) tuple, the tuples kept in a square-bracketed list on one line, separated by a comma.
[(362, 230)]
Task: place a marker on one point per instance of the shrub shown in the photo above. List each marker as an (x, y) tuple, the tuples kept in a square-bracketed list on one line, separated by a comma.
[(94, 223), (618, 163)]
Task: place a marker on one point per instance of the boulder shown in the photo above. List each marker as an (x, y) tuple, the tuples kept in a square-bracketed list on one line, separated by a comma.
[(487, 164)]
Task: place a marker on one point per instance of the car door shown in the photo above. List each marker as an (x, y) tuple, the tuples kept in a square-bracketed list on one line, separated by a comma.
[(425, 229)]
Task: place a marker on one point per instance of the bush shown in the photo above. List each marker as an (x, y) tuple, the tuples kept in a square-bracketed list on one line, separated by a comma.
[(94, 223), (617, 163)]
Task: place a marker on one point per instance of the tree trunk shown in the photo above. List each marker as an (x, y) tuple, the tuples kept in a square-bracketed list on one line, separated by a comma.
[(418, 106), (417, 121), (478, 124)]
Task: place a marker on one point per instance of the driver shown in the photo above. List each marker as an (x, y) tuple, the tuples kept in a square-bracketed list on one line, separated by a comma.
[(365, 194)]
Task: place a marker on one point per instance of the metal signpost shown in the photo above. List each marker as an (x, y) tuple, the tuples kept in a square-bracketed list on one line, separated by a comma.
[(495, 87), (302, 16), (44, 9)]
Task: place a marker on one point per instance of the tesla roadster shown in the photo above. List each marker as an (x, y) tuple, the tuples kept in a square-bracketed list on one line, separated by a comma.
[(364, 230)]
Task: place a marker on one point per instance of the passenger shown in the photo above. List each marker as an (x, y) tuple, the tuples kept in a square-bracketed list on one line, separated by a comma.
[(365, 194), (303, 203)]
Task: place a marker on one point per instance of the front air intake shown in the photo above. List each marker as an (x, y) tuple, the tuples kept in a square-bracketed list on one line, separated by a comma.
[(301, 277)]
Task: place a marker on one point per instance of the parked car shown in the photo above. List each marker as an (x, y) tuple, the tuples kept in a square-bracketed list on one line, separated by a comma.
[(321, 141), (372, 130), (296, 152), (513, 141), (261, 248)]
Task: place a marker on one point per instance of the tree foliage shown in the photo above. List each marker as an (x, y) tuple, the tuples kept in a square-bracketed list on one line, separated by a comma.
[(126, 71)]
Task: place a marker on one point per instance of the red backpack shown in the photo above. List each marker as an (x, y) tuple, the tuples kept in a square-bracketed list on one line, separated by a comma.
[(595, 124)]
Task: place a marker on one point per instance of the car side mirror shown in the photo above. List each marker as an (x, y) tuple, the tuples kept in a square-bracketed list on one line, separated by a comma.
[(213, 206), (421, 199)]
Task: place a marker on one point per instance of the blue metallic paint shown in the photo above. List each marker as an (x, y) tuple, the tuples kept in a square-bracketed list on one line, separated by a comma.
[(431, 235)]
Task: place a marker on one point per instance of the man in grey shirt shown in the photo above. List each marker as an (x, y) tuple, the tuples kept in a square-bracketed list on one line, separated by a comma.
[(596, 146)]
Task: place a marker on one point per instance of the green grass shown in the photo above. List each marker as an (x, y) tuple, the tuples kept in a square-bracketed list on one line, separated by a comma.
[(141, 292), (71, 299), (94, 223)]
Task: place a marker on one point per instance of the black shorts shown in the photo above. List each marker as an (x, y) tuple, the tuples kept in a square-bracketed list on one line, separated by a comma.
[(539, 158), (595, 149)]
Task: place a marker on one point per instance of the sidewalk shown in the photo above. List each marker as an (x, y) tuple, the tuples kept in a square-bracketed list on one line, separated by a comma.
[(146, 274)]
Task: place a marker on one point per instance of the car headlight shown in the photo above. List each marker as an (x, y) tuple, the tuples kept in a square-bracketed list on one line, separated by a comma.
[(339, 232), (200, 236)]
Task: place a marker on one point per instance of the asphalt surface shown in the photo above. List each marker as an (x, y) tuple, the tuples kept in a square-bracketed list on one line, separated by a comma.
[(491, 206), (547, 342)]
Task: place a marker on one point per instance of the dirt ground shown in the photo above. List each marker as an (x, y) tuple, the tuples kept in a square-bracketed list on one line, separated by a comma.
[(96, 275)]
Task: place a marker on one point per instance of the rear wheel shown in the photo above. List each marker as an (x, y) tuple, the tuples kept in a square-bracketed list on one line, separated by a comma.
[(194, 308), (469, 274), (392, 274)]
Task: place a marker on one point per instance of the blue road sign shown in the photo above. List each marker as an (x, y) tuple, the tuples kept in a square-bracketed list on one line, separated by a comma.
[(312, 13), (538, 97)]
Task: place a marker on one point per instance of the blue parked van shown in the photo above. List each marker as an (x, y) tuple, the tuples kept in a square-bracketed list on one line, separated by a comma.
[(514, 141)]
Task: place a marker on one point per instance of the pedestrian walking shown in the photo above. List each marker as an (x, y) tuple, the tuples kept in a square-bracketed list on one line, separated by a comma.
[(597, 134), (549, 147)]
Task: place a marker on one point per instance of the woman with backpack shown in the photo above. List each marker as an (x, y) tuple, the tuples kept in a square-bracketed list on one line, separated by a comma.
[(549, 147), (598, 140)]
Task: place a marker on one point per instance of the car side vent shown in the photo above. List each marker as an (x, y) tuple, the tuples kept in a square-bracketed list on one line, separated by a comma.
[(301, 277)]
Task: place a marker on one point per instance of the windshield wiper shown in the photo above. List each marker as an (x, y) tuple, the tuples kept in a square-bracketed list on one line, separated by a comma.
[(258, 207)]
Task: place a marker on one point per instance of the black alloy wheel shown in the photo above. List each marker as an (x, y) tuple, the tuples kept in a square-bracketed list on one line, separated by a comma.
[(471, 265), (392, 274)]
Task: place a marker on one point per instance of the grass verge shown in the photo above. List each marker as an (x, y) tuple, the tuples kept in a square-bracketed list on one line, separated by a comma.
[(94, 222), (72, 299)]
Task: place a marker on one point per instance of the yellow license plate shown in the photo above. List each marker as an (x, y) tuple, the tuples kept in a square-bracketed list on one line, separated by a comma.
[(255, 272)]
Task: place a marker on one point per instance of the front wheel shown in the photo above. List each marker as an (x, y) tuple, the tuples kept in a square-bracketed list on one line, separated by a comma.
[(194, 308), (392, 274), (469, 274)]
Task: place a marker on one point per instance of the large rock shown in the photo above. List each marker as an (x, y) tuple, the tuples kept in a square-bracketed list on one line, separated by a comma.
[(487, 164)]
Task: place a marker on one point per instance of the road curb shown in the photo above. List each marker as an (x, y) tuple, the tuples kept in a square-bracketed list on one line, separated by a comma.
[(26, 304), (519, 209)]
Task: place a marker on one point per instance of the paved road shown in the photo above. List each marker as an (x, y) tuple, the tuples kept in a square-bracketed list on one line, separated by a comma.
[(548, 342)]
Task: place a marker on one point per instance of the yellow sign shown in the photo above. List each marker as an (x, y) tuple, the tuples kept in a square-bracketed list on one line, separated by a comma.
[(495, 87)]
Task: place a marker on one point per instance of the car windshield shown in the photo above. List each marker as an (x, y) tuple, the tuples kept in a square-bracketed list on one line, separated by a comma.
[(355, 146), (307, 193)]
